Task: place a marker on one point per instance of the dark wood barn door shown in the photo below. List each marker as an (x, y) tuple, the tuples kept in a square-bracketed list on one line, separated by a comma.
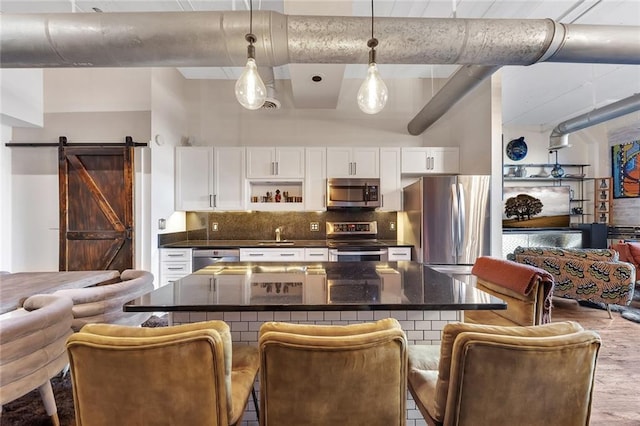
[(96, 208)]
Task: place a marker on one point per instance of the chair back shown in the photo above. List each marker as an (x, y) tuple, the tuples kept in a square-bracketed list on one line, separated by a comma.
[(536, 375), (103, 303), (32, 347), (323, 375), (168, 375), (522, 310)]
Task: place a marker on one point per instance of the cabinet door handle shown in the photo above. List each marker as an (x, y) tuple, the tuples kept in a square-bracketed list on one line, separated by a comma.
[(176, 268), (277, 168), (210, 200), (175, 255), (355, 168), (215, 200), (315, 254), (256, 254), (287, 254)]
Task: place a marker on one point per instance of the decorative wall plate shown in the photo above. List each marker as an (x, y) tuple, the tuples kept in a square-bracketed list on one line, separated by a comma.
[(517, 149)]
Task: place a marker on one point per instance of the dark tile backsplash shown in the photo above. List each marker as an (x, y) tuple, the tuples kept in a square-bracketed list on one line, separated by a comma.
[(295, 225)]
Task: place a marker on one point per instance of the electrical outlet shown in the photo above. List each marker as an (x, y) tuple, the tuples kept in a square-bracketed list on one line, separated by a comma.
[(392, 226), (214, 226), (315, 226)]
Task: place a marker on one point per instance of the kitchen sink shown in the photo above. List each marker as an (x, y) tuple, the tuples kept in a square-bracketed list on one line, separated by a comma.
[(276, 243)]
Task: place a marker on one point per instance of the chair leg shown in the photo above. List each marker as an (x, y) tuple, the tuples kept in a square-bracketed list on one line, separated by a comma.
[(46, 393), (255, 402), (609, 311)]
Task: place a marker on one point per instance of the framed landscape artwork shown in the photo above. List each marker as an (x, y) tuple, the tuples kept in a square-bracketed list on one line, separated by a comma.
[(536, 207), (625, 169)]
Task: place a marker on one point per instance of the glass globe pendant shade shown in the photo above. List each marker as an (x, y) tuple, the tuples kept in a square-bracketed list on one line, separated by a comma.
[(250, 89), (373, 93)]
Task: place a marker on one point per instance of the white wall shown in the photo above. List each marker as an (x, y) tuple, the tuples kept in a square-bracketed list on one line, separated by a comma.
[(21, 101), (216, 118), (21, 97), (168, 127), (88, 105), (6, 197), (592, 146)]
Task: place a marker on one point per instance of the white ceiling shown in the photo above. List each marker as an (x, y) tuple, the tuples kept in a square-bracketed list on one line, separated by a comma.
[(539, 95)]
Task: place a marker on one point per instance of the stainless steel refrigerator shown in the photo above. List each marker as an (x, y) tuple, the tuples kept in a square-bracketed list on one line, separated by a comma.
[(446, 218)]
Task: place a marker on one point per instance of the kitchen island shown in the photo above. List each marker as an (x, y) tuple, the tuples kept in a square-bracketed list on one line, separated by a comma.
[(322, 286), (246, 295)]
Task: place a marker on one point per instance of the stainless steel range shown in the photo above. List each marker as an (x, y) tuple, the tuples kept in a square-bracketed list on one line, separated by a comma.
[(355, 242)]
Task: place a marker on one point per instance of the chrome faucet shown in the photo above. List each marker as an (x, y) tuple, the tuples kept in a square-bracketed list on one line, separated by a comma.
[(278, 232)]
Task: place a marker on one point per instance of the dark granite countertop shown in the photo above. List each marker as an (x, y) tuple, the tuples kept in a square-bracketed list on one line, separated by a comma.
[(323, 286), (220, 244)]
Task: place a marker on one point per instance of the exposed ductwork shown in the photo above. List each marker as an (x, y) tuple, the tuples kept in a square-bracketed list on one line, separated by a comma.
[(191, 39), (460, 83), (269, 80), (184, 39), (560, 134)]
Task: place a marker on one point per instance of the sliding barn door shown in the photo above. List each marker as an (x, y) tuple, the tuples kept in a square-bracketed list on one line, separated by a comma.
[(96, 208)]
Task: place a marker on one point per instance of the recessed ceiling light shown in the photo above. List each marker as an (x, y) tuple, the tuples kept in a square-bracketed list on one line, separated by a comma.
[(316, 78)]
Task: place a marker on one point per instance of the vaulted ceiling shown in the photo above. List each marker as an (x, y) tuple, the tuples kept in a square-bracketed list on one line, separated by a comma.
[(540, 95)]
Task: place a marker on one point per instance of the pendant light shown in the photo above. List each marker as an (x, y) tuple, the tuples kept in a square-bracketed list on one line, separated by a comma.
[(250, 89), (373, 93)]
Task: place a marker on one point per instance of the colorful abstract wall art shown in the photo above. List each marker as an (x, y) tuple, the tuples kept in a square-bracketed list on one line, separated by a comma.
[(625, 169)]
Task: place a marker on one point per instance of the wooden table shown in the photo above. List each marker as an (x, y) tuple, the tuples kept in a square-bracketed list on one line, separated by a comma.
[(15, 288)]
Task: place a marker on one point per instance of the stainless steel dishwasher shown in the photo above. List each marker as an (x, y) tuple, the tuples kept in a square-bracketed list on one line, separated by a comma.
[(206, 257)]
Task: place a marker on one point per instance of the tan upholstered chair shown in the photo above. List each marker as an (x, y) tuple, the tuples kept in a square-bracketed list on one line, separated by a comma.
[(333, 375), (32, 348), (180, 375), (526, 289), (492, 375), (103, 303)]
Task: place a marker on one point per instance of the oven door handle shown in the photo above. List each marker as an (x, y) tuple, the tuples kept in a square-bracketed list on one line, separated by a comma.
[(356, 253)]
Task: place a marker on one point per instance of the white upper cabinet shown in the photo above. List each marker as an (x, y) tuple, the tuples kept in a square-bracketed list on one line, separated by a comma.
[(355, 162), (424, 160), (209, 178), (315, 181), (229, 168), (390, 182), (279, 162)]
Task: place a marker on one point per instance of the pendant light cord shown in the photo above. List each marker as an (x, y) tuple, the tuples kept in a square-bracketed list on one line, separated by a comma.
[(372, 19), (250, 16)]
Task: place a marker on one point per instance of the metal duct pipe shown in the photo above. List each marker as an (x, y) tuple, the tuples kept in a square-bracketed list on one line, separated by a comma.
[(172, 39), (269, 80), (460, 83), (560, 134)]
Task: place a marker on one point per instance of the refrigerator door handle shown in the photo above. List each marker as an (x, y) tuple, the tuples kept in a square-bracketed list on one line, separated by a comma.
[(455, 216), (462, 220)]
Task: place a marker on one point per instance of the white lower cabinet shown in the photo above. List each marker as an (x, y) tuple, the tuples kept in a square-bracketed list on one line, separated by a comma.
[(319, 254), (399, 253), (271, 254), (174, 264)]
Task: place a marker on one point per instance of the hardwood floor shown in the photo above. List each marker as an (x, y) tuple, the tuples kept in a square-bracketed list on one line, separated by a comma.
[(616, 399)]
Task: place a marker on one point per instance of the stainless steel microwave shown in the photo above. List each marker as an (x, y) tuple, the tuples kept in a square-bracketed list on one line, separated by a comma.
[(353, 193)]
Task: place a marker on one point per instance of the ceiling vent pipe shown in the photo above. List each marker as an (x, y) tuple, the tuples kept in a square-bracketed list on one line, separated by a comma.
[(460, 83), (269, 80), (560, 134), (216, 38)]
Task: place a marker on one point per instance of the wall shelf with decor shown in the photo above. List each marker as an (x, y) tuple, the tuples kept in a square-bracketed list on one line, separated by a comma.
[(275, 195), (603, 201), (572, 176)]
